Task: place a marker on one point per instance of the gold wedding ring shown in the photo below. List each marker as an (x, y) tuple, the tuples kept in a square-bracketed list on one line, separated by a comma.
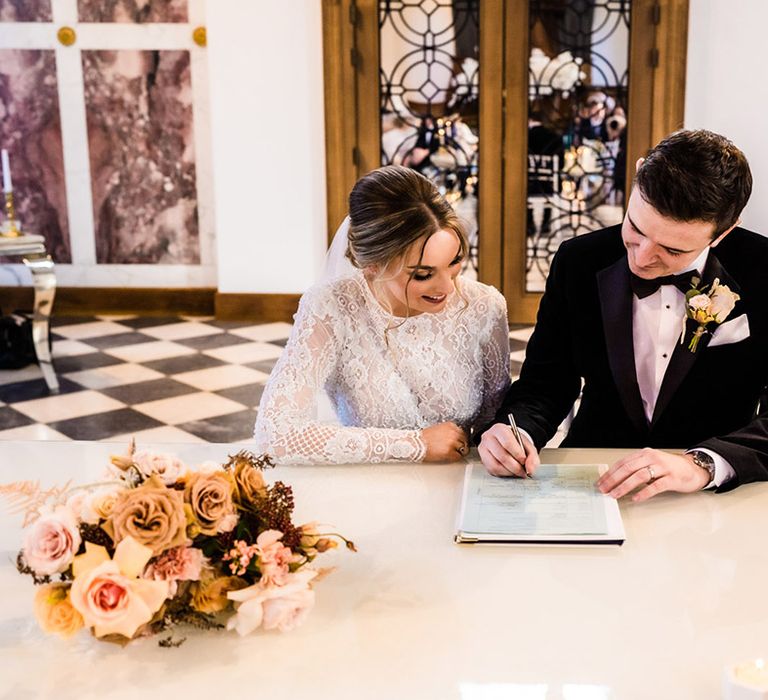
[(651, 474)]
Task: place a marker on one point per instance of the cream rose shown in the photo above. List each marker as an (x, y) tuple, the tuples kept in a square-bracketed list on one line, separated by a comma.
[(699, 302), (152, 514), (103, 503), (108, 593), (723, 301), (274, 607), (51, 542), (167, 466), (209, 493), (54, 611)]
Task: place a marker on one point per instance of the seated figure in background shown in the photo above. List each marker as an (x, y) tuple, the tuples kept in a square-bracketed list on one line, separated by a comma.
[(412, 356)]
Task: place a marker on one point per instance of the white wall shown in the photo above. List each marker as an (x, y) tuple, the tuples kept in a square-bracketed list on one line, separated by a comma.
[(726, 90), (268, 133)]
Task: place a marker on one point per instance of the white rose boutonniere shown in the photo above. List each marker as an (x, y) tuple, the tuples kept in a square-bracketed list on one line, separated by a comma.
[(707, 306)]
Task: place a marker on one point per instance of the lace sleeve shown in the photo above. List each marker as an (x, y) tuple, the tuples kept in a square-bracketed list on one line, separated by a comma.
[(495, 360), (287, 426)]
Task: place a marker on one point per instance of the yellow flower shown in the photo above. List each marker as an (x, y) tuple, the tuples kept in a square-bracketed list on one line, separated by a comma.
[(209, 595)]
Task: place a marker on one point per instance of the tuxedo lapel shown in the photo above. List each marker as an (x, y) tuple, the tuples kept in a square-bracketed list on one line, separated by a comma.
[(616, 307), (683, 359)]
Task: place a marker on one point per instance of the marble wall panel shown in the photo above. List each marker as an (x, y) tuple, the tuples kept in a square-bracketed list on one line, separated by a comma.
[(132, 10), (25, 11), (141, 149), (30, 128)]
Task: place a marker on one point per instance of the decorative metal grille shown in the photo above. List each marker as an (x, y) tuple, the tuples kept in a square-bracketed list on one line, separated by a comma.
[(577, 123), (429, 86)]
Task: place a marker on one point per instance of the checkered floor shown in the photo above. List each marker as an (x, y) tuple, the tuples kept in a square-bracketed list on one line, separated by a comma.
[(188, 379)]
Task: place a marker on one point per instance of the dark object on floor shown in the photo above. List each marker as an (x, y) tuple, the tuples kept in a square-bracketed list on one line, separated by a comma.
[(16, 346)]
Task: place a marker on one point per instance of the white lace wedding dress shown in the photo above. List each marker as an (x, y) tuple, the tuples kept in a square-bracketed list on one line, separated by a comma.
[(448, 366)]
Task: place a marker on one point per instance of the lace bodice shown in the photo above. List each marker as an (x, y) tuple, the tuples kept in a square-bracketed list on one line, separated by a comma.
[(448, 366)]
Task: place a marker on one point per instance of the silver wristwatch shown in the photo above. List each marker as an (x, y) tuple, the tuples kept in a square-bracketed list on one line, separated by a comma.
[(705, 461)]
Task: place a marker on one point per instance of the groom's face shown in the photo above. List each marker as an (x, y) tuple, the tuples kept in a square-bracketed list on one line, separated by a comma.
[(658, 246)]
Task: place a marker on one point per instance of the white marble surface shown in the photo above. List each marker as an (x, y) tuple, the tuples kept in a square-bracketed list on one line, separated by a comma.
[(412, 615)]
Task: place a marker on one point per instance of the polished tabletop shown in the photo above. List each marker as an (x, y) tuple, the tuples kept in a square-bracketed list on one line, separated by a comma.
[(413, 615)]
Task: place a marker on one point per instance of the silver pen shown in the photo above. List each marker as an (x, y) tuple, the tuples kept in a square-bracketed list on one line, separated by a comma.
[(518, 437)]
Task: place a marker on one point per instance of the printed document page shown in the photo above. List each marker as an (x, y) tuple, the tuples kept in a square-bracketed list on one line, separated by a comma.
[(560, 502)]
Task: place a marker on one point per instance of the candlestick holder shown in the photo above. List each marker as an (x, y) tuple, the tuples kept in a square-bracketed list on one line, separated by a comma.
[(11, 226)]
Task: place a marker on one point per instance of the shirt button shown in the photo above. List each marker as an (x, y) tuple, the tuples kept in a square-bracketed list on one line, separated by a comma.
[(664, 356), (667, 305)]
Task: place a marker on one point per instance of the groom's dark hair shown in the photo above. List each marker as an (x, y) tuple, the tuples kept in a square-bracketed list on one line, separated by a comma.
[(696, 176)]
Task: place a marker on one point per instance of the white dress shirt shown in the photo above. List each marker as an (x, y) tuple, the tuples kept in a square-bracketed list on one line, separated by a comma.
[(657, 321)]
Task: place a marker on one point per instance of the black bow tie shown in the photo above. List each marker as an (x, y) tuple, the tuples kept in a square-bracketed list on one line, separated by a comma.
[(643, 288)]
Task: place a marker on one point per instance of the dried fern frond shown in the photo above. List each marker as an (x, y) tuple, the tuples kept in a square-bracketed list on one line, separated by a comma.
[(29, 498), (261, 462)]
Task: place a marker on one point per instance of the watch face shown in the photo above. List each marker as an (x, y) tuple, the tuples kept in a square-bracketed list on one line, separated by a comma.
[(705, 461)]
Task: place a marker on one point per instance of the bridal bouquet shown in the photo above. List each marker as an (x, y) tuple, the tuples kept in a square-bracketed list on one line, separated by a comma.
[(162, 545)]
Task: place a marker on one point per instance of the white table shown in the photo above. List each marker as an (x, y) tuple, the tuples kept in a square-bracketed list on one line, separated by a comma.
[(31, 249), (413, 615)]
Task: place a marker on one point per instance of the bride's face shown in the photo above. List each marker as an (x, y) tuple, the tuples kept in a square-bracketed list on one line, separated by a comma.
[(423, 283)]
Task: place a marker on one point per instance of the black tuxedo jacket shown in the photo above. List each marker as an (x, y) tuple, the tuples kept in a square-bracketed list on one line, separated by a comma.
[(584, 333)]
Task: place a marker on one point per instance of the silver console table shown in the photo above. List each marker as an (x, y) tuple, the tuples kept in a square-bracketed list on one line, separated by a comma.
[(31, 249)]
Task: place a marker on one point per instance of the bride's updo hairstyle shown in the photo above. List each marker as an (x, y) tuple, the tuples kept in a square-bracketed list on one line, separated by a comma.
[(392, 208)]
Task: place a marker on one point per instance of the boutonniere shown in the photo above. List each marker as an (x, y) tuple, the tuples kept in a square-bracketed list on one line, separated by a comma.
[(707, 306)]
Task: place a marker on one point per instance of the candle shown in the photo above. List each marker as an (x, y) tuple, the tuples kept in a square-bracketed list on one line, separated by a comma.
[(7, 185), (746, 681)]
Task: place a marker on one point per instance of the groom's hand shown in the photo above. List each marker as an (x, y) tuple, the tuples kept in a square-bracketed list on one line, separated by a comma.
[(502, 454), (652, 471)]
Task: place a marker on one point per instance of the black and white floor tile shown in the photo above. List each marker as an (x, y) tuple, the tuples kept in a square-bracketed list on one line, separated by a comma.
[(179, 379)]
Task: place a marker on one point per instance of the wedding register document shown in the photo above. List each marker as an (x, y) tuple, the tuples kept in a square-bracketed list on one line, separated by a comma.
[(559, 505)]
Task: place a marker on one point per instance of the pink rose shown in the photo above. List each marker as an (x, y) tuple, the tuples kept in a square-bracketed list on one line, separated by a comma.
[(274, 557), (52, 542), (108, 593), (177, 564), (288, 611), (275, 607)]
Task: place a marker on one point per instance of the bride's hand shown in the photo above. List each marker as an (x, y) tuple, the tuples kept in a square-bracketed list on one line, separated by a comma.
[(446, 442)]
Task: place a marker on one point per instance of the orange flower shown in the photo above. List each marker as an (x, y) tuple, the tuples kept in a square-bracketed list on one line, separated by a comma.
[(54, 611)]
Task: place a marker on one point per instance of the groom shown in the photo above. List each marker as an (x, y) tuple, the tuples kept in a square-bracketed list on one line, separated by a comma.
[(611, 318)]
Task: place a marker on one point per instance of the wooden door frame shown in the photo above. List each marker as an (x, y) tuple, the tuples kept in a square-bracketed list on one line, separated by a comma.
[(657, 58), (353, 121), (658, 40)]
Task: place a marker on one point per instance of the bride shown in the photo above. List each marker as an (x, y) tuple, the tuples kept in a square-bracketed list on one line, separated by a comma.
[(412, 356)]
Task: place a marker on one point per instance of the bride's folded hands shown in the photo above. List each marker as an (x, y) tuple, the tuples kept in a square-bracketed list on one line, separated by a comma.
[(445, 442)]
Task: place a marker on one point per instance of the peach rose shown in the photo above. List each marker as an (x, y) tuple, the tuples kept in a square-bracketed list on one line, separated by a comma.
[(54, 611), (108, 593), (51, 542), (209, 595), (274, 607), (152, 514), (209, 493)]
